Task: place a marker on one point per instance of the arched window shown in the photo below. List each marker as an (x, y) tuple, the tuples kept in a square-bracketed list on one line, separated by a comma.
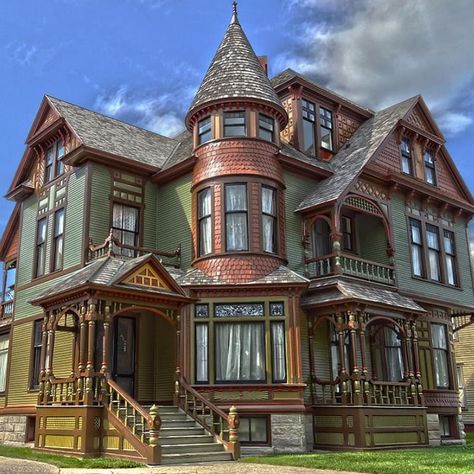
[(386, 352), (321, 238)]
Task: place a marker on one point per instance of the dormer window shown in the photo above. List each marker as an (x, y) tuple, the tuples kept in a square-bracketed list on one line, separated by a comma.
[(204, 130), (407, 162), (430, 175), (54, 166), (325, 128), (309, 119), (316, 118), (235, 124), (266, 127)]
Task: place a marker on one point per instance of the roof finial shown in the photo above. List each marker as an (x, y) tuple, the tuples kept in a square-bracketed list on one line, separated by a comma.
[(234, 12)]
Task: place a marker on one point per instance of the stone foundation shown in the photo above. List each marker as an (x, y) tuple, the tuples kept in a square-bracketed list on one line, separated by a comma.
[(13, 429), (434, 432), (288, 433)]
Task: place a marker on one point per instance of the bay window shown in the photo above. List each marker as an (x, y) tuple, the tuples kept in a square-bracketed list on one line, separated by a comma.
[(393, 354), (432, 239), (235, 124), (266, 127), (125, 227), (4, 340), (269, 219), (450, 257), (40, 256), (416, 247), (58, 242), (205, 221), (239, 343), (325, 128), (430, 175), (439, 343), (204, 130), (406, 161), (236, 217)]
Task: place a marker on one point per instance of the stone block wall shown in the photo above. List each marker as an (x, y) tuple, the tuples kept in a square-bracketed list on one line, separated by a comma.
[(289, 433), (13, 429)]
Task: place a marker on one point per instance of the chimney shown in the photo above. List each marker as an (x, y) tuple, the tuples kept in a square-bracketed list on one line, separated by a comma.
[(264, 63)]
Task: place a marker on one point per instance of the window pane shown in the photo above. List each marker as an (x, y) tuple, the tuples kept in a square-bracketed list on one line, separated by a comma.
[(268, 201), (258, 430), (205, 236), (432, 237), (236, 197), (3, 361), (406, 165), (278, 351), (416, 256), (234, 124), (204, 130), (441, 368), (393, 354), (433, 257), (266, 127), (205, 203), (240, 352), (415, 231), (236, 231), (450, 272), (268, 228), (438, 336), (321, 238), (58, 253), (59, 222), (449, 242), (202, 351), (308, 135), (42, 226)]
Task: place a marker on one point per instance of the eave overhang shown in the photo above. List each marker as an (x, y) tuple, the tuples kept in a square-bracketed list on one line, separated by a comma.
[(20, 192), (9, 232), (174, 171)]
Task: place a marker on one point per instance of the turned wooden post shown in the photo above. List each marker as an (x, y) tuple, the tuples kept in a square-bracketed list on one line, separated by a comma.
[(356, 386), (89, 389), (154, 425), (105, 341), (82, 340), (176, 399), (233, 421), (44, 339)]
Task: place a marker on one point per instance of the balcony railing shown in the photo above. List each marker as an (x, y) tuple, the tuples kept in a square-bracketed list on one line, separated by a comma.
[(6, 309), (113, 247), (350, 265)]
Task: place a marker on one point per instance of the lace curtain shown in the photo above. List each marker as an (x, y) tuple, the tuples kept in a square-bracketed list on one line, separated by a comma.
[(3, 361), (268, 219), (236, 217)]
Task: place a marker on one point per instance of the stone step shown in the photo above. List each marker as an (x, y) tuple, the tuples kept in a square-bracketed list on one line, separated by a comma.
[(192, 448), (168, 459), (174, 416), (186, 439), (192, 430), (178, 423)]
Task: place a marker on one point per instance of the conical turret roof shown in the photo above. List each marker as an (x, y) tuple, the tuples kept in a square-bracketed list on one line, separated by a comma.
[(235, 72)]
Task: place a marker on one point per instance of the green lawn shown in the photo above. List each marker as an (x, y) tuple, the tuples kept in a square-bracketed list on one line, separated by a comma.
[(444, 460), (64, 461)]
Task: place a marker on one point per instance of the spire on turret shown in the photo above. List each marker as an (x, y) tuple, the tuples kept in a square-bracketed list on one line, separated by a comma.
[(235, 18)]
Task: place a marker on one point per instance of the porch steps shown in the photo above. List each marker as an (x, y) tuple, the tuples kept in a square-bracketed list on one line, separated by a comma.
[(183, 441)]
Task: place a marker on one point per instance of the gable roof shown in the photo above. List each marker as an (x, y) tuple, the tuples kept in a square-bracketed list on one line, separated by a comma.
[(235, 72), (109, 135), (355, 154)]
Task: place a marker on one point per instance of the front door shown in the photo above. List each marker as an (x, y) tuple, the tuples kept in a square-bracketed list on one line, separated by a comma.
[(124, 353)]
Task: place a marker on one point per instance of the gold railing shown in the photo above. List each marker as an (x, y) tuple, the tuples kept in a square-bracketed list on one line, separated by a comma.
[(224, 427), (366, 392), (113, 247), (71, 391), (350, 265)]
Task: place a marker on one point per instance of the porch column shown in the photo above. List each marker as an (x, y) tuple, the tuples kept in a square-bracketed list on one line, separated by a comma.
[(104, 368), (355, 376), (343, 374), (178, 359), (294, 308), (416, 362), (363, 349), (82, 340), (91, 320), (44, 341), (49, 357)]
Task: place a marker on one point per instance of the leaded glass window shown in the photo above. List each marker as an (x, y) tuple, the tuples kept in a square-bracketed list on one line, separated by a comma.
[(237, 310)]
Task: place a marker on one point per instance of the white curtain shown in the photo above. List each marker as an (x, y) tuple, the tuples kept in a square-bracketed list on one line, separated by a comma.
[(393, 353), (236, 222), (202, 344), (278, 351), (268, 219), (3, 361), (205, 226), (440, 354), (240, 352)]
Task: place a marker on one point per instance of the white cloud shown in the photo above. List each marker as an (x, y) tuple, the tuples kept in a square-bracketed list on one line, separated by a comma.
[(388, 50), (21, 53)]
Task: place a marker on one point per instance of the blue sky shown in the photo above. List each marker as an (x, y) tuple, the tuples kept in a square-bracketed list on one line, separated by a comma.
[(142, 60)]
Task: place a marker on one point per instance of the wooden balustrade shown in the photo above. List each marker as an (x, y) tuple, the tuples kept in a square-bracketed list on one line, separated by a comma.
[(71, 391), (113, 247), (224, 427), (6, 309), (370, 392), (350, 265)]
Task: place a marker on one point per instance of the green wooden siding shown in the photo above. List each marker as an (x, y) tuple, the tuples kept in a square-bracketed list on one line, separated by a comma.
[(174, 218), (149, 217), (297, 188), (101, 189), (403, 262), (371, 239), (27, 241)]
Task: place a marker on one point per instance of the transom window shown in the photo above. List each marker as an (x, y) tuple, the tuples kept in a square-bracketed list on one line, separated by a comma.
[(235, 124), (439, 342), (407, 162), (54, 165), (238, 353), (125, 227), (40, 257), (269, 219), (205, 221), (430, 174), (236, 217), (266, 127), (58, 242), (204, 130)]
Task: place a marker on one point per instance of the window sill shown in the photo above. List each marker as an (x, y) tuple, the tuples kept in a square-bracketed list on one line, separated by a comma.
[(437, 283)]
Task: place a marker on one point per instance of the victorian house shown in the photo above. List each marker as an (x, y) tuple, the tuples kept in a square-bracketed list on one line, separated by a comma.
[(288, 273)]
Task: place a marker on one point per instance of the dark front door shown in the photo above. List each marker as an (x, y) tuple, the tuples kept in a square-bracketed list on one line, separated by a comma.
[(124, 353)]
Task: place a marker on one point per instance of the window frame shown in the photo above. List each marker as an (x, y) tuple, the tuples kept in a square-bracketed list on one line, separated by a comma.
[(10, 290), (209, 131), (309, 115), (429, 165), (434, 230), (419, 245), (246, 212), (5, 353), (56, 167), (56, 238), (452, 255), (36, 348), (267, 442), (274, 218), (202, 218), (447, 353), (137, 232), (40, 247), (324, 119), (266, 129), (205, 324), (351, 234), (226, 114), (406, 156)]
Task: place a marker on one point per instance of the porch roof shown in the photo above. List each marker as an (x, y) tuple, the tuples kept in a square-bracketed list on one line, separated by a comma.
[(335, 290), (109, 272)]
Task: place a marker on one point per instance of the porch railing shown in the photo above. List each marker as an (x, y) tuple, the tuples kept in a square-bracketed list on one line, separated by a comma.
[(350, 265), (366, 392), (113, 247), (71, 391), (6, 309), (224, 427)]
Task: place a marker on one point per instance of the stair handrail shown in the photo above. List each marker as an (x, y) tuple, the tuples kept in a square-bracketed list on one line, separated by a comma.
[(188, 399)]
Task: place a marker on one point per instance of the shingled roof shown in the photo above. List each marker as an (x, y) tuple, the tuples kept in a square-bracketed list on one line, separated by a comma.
[(354, 155), (109, 135), (235, 72)]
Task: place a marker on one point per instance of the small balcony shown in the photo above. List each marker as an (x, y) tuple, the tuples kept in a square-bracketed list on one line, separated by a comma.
[(351, 265)]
